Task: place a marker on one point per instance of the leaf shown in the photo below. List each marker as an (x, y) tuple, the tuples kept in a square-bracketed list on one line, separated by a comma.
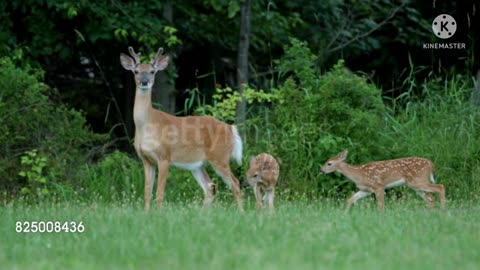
[(233, 9), (72, 12), (42, 180)]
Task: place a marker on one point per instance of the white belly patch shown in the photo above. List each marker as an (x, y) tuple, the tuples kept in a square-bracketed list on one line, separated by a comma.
[(395, 183), (188, 166)]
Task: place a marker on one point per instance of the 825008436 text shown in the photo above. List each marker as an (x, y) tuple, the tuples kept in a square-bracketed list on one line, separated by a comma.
[(49, 227)]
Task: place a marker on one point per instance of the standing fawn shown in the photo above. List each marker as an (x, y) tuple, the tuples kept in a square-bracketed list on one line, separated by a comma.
[(377, 176), (262, 176), (186, 142)]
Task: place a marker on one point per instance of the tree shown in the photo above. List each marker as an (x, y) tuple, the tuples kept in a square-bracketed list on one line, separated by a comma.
[(164, 88), (243, 45)]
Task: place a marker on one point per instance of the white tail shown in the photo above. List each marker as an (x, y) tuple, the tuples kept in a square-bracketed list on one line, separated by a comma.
[(375, 177), (186, 142), (237, 146)]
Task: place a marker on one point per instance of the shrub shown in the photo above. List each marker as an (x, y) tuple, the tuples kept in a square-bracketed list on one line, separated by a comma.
[(323, 115), (318, 115), (31, 123), (116, 177)]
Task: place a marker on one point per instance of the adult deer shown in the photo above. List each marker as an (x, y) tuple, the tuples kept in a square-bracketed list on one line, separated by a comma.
[(186, 142), (375, 177)]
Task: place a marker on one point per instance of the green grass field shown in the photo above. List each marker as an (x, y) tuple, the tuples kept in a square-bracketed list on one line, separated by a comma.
[(313, 235)]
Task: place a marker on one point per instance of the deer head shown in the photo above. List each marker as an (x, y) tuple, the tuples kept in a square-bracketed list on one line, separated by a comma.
[(253, 173), (332, 164), (144, 73)]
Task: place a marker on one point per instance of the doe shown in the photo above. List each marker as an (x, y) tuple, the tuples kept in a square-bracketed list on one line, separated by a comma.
[(189, 142)]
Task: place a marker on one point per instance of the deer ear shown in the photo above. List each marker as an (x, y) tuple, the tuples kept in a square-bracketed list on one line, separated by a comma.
[(127, 62), (343, 155), (266, 164), (160, 63)]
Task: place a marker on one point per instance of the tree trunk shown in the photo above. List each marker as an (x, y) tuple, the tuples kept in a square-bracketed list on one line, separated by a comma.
[(242, 61), (163, 91)]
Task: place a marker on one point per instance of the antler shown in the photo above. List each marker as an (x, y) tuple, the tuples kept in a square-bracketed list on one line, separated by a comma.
[(159, 52), (136, 56)]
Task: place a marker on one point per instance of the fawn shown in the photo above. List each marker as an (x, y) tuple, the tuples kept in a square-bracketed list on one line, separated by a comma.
[(262, 175), (375, 177)]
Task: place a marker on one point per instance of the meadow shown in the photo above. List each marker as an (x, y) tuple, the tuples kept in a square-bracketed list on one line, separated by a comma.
[(299, 235)]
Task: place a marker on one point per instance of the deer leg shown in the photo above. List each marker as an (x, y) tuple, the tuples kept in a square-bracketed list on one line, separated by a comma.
[(258, 198), (427, 197), (439, 189), (270, 198), (223, 170), (208, 187), (380, 197), (149, 171), (212, 188), (162, 180), (357, 196), (427, 187)]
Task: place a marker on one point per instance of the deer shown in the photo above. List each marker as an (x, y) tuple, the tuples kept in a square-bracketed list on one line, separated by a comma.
[(189, 143), (262, 175), (374, 177)]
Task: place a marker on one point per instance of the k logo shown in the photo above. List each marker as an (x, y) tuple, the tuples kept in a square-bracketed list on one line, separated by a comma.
[(444, 26)]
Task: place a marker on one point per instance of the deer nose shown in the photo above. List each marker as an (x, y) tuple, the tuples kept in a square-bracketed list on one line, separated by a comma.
[(144, 82)]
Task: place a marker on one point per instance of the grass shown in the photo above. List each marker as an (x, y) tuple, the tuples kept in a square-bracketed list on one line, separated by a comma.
[(302, 235)]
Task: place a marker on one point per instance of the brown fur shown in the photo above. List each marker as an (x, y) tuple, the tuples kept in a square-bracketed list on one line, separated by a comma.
[(377, 176), (262, 176)]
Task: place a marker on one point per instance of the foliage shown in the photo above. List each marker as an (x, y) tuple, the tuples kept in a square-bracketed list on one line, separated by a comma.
[(39, 137), (299, 60), (116, 177), (225, 101), (324, 114), (34, 172), (304, 115), (437, 120)]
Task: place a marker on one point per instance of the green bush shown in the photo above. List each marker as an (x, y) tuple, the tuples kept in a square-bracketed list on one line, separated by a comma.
[(319, 115), (323, 115), (30, 121), (116, 177)]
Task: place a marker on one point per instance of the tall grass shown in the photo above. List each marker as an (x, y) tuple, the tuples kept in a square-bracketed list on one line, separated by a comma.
[(442, 124)]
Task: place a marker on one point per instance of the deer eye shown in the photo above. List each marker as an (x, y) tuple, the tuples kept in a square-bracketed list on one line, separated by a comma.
[(329, 164), (255, 175), (152, 72)]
